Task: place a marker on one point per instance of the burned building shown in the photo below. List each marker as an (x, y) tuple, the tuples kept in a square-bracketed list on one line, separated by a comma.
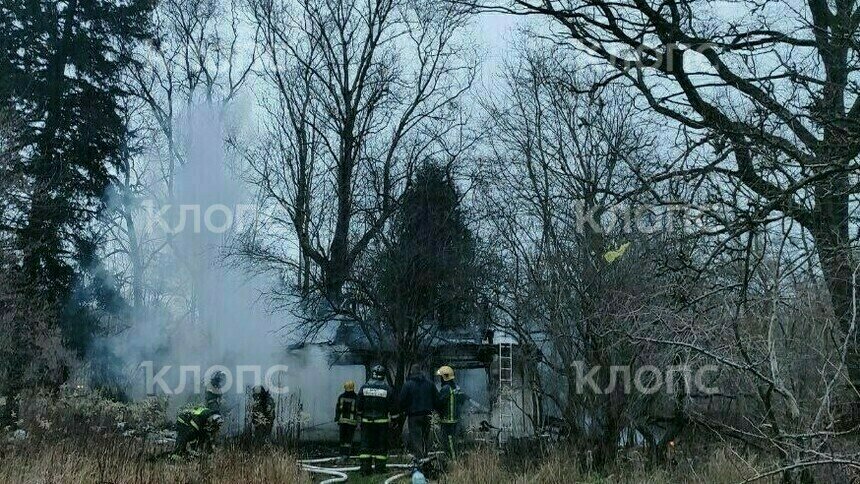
[(490, 365)]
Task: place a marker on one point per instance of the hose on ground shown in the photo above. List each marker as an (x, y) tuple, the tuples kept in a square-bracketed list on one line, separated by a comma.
[(318, 461), (339, 473), (406, 466), (338, 476), (395, 477)]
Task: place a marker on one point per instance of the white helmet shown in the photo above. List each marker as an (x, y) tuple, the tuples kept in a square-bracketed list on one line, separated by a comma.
[(215, 420)]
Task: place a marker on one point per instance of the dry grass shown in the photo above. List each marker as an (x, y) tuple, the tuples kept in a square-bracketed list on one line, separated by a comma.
[(126, 461), (482, 467), (721, 466)]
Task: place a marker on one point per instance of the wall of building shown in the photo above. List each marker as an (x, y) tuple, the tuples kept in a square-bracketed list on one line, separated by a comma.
[(317, 385)]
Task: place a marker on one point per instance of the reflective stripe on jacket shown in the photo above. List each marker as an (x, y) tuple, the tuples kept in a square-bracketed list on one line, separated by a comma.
[(447, 403), (346, 411), (195, 417), (376, 402)]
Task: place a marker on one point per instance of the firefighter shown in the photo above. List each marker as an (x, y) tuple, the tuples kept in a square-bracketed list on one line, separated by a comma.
[(417, 400), (262, 413), (199, 426), (214, 390), (346, 416), (376, 406), (448, 405)]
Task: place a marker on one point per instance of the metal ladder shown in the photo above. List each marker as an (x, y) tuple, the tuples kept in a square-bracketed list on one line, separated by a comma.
[(506, 382)]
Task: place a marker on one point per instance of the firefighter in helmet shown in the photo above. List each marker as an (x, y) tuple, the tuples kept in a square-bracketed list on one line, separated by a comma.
[(262, 413), (197, 427), (346, 416), (448, 403), (377, 407), (214, 390)]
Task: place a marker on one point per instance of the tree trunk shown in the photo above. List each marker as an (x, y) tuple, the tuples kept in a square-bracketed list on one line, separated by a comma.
[(136, 261), (339, 264), (832, 239)]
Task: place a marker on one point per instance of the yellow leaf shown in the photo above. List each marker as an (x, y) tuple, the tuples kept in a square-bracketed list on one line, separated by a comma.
[(610, 256)]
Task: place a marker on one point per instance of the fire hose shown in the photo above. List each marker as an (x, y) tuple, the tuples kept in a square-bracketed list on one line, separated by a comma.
[(339, 476), (395, 477), (339, 473)]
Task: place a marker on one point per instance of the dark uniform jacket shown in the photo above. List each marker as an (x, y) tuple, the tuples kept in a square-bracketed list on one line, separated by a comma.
[(263, 403), (346, 411), (213, 399), (418, 396), (262, 411), (449, 401), (195, 417), (376, 402), (191, 427)]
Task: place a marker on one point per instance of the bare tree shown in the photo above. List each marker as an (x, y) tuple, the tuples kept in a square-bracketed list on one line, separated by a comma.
[(766, 98), (203, 54), (362, 91), (761, 319), (199, 56), (561, 164)]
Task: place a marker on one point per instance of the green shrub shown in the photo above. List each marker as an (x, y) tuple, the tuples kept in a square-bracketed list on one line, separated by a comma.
[(76, 411)]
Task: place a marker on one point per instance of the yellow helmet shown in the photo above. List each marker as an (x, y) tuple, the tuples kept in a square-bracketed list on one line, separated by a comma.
[(349, 386), (446, 372)]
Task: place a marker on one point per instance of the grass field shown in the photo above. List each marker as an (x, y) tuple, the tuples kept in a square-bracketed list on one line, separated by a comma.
[(123, 460), (721, 466), (129, 461)]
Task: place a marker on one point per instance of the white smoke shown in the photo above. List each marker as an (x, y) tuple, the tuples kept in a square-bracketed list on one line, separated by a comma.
[(212, 312)]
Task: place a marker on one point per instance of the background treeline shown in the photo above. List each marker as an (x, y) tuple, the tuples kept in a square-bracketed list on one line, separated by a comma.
[(407, 187)]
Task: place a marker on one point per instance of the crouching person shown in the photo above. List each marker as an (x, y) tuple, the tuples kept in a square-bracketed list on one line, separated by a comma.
[(196, 430)]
